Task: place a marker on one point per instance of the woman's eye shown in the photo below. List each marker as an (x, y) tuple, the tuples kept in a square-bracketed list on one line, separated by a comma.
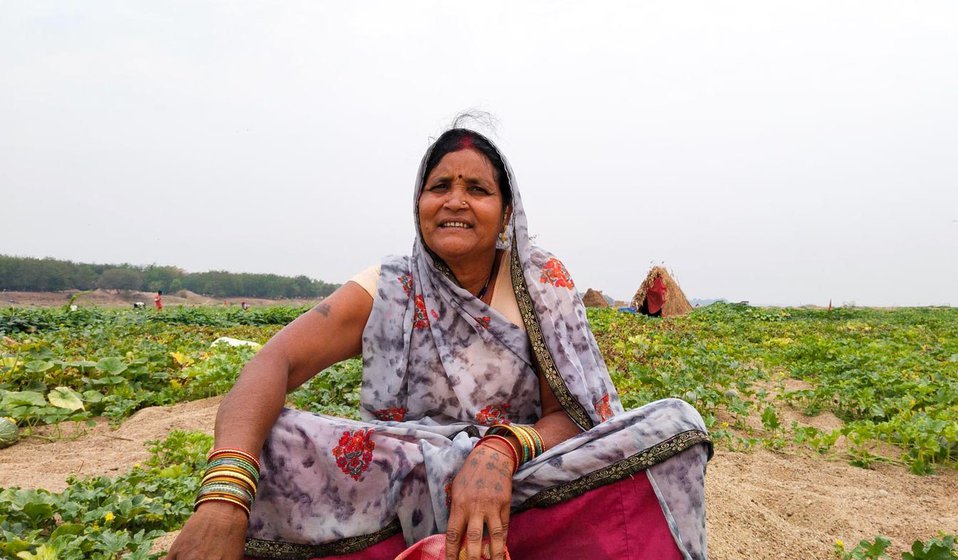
[(478, 189), (439, 188)]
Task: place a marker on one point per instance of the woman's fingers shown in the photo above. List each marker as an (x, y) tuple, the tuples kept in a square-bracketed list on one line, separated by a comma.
[(497, 538), (481, 496), (454, 533), (499, 533), (464, 541), (473, 544)]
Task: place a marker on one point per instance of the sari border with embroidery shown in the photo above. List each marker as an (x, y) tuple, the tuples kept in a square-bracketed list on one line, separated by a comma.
[(279, 550), (540, 351), (615, 472)]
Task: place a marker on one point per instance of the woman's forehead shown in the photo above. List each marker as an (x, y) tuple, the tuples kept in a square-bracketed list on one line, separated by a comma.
[(466, 164)]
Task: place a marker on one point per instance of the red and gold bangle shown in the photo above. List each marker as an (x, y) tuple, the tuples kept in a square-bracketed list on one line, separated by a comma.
[(221, 498), (232, 451), (530, 441)]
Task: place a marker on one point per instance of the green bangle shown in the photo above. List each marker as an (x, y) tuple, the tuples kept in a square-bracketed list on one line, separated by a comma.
[(225, 488), (525, 441), (234, 462), (536, 439)]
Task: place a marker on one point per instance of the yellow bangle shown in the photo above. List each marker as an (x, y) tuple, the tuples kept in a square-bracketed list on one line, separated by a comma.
[(536, 439), (525, 441), (217, 473), (223, 479)]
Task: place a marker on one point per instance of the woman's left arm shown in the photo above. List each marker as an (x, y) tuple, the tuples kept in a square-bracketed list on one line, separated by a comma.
[(482, 491)]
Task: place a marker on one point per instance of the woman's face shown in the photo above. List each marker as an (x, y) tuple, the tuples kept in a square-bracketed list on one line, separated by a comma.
[(460, 207)]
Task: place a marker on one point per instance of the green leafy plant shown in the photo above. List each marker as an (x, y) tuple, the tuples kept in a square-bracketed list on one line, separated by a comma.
[(940, 548), (865, 550)]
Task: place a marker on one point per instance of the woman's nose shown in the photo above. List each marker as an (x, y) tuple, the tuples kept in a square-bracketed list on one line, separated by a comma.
[(456, 199)]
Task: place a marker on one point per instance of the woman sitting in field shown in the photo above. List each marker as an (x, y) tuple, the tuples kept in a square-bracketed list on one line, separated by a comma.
[(484, 398)]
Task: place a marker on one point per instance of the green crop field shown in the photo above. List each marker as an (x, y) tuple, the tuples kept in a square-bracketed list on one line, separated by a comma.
[(759, 376)]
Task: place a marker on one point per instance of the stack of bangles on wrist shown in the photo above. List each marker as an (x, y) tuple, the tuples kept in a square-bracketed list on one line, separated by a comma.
[(530, 442), (231, 476)]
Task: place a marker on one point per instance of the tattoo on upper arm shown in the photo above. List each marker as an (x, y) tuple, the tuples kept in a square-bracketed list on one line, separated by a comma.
[(323, 309)]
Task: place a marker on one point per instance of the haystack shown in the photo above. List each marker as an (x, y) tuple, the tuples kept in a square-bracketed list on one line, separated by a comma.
[(675, 303), (594, 298)]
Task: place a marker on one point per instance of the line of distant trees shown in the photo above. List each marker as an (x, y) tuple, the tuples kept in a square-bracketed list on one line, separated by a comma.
[(29, 274)]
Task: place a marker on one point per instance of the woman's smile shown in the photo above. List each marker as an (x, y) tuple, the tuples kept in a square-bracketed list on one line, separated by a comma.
[(456, 225)]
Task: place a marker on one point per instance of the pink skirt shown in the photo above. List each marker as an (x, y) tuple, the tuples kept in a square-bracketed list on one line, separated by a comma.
[(622, 520)]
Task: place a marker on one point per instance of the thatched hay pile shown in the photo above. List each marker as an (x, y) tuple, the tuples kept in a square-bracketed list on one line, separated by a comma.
[(594, 298), (676, 304)]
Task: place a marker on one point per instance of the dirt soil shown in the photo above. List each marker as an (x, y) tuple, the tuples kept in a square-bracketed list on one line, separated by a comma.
[(761, 505)]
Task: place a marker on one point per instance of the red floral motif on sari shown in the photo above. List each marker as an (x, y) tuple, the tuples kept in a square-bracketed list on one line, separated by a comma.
[(484, 322), (421, 320), (604, 409), (392, 414), (354, 453), (555, 273), (493, 414), (434, 314), (406, 281), (448, 492)]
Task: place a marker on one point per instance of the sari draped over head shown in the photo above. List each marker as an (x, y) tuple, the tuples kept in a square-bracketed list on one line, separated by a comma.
[(439, 367), (420, 303)]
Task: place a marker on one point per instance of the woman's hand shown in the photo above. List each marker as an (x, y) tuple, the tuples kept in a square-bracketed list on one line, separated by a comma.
[(481, 496), (217, 531)]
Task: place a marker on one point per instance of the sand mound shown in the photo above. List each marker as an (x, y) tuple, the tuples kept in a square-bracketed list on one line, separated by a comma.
[(594, 298)]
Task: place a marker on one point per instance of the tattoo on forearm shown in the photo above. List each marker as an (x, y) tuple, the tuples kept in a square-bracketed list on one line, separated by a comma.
[(323, 309)]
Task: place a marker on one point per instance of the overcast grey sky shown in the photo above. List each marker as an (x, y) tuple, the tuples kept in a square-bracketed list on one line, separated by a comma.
[(782, 153)]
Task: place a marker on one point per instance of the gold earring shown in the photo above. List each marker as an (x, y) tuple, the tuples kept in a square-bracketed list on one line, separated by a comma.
[(503, 236)]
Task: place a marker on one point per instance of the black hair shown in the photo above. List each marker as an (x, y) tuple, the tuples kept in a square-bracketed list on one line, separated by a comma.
[(456, 139)]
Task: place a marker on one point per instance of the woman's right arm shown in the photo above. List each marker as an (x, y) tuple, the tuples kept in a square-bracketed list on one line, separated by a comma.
[(329, 333)]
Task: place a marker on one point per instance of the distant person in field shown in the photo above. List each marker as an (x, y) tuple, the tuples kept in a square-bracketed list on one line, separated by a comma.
[(158, 300), (244, 305), (655, 297), (486, 408)]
